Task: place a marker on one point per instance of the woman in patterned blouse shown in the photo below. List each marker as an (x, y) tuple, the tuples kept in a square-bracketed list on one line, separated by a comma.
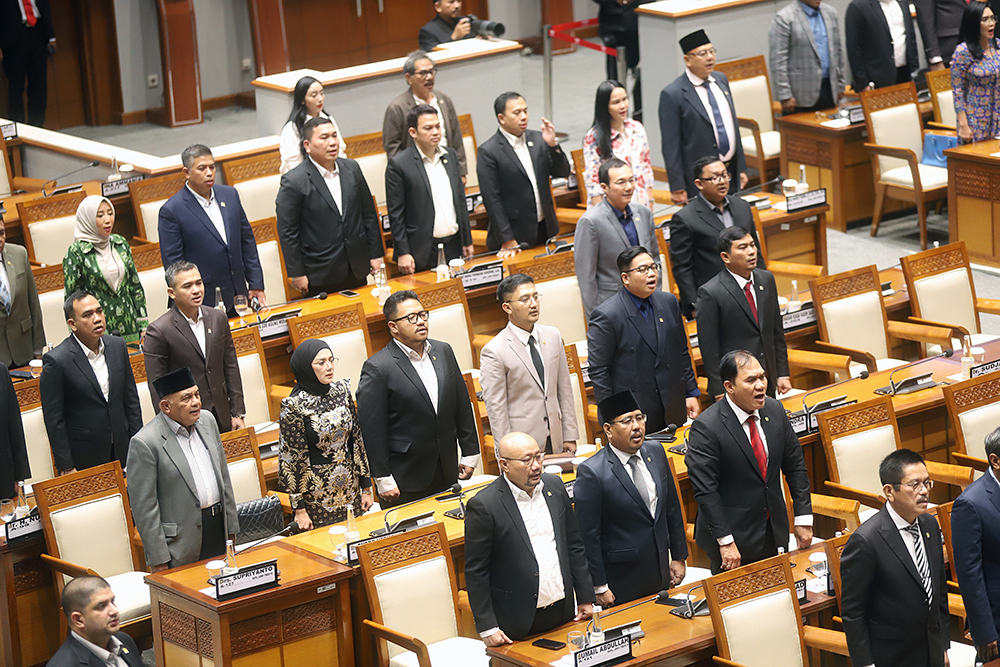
[(975, 75), (101, 263), (614, 134), (322, 462)]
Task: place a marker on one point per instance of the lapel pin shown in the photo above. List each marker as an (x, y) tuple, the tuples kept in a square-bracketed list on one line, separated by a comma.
[(209, 331), (661, 320), (548, 493), (434, 358), (766, 419), (531, 143), (760, 287), (222, 204)]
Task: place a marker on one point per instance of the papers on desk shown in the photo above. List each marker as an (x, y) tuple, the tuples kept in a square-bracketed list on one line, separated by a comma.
[(816, 585), (780, 206), (836, 123), (210, 591)]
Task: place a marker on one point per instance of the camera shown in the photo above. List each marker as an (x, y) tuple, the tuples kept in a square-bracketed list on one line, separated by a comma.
[(485, 28)]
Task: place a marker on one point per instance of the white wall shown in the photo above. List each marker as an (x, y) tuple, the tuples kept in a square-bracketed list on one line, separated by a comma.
[(138, 53)]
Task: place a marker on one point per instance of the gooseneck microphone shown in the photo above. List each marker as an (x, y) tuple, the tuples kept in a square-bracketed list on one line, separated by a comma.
[(388, 528), (893, 387), (863, 376), (55, 180)]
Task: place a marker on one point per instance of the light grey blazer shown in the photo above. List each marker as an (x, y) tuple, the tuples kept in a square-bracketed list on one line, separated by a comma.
[(598, 241), (794, 58), (161, 490), (515, 399)]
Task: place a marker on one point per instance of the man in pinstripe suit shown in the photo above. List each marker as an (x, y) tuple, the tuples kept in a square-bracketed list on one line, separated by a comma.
[(807, 61)]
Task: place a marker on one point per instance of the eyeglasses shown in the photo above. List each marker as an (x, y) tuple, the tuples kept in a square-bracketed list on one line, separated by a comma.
[(718, 179), (412, 318), (645, 270), (426, 73), (528, 298), (916, 486), (988, 19), (326, 362), (527, 460), (628, 421), (704, 53)]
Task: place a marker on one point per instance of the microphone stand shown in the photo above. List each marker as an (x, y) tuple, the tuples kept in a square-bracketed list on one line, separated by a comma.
[(893, 387), (389, 529), (54, 181)]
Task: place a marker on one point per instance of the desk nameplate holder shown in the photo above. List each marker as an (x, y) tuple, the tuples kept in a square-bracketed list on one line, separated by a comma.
[(482, 275), (805, 200), (119, 187), (276, 325), (983, 369), (249, 579), (803, 317), (801, 592), (405, 525), (385, 222), (611, 652), (909, 385), (9, 130), (805, 422), (472, 201), (17, 528)]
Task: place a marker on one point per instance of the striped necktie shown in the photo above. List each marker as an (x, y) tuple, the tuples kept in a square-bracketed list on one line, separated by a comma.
[(921, 558)]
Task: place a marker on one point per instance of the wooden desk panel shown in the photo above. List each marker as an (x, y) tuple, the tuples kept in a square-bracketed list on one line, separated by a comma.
[(974, 199), (29, 632)]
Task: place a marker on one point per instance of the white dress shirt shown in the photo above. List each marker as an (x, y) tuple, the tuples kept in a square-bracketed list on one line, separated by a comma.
[(211, 206), (897, 29), (199, 461), (99, 363), (445, 218), (198, 328), (106, 656), (437, 107), (290, 145), (332, 180), (5, 278), (727, 115), (520, 146)]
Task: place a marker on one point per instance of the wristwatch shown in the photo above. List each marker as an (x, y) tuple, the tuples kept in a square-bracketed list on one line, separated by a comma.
[(241, 415)]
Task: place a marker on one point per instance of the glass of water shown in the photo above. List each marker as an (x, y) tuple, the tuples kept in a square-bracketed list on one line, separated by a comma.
[(575, 640), (819, 564), (242, 307)]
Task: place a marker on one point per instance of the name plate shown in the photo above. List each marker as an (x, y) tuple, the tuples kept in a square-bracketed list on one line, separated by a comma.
[(799, 423), (9, 130), (983, 369), (610, 652), (855, 114), (805, 200), (23, 527), (119, 187), (472, 201), (249, 579), (352, 547), (569, 488), (799, 318), (385, 222), (814, 423), (476, 278), (800, 591)]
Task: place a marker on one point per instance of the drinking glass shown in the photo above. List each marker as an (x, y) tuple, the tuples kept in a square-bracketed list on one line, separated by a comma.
[(819, 564), (242, 307), (575, 640), (337, 533), (36, 367)]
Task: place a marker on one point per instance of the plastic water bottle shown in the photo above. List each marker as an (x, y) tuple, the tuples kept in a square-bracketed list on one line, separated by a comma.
[(219, 304), (352, 534), (967, 358), (230, 566), (803, 185), (22, 508), (794, 305), (596, 634), (443, 273)]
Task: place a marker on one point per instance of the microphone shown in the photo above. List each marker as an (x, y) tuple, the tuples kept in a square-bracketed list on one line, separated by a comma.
[(760, 186), (458, 512), (257, 308), (863, 376), (56, 180), (388, 529), (893, 387), (290, 529)]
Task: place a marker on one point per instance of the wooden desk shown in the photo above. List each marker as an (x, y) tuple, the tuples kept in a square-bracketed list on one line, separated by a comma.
[(974, 199), (29, 632), (795, 237), (12, 219), (305, 620)]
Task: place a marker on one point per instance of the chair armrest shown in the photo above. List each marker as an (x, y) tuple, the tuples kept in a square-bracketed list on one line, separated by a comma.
[(844, 509), (859, 356), (949, 473), (991, 306), (869, 499), (754, 128), (819, 361), (67, 568), (592, 413), (478, 343), (920, 333), (726, 663), (569, 216), (463, 601), (280, 391), (953, 587), (780, 268), (902, 154), (831, 641), (837, 622), (407, 642), (957, 330), (286, 504), (933, 124), (27, 184), (971, 461), (956, 606)]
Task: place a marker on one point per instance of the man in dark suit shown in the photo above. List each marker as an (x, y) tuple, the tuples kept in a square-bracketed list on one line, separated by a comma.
[(939, 22), (737, 451), (448, 26), (619, 28), (94, 639), (327, 221), (414, 409), (22, 333), (881, 43), (425, 197), (13, 451), (27, 38), (628, 510), (205, 224), (514, 167), (636, 341), (895, 598), (189, 335), (89, 399), (975, 536), (524, 555), (738, 309), (697, 118), (694, 230)]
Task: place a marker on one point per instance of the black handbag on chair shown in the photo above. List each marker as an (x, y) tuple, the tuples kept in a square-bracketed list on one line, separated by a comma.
[(259, 519)]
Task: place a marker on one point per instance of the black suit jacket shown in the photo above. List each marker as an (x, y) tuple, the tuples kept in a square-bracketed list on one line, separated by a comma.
[(694, 232), (501, 572), (410, 204), (628, 548), (333, 248), (74, 654), (688, 132), (11, 24), (186, 232), (437, 31), (649, 358), (85, 430), (403, 436), (13, 452), (939, 22), (733, 497), (975, 526), (869, 44), (507, 193), (886, 617), (726, 323)]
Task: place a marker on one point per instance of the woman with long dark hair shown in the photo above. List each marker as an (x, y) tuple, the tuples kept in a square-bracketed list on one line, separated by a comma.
[(614, 134), (975, 75), (307, 102)]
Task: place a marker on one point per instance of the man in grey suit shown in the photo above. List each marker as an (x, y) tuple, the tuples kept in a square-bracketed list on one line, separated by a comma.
[(524, 373), (605, 230), (420, 73), (807, 62), (939, 22), (178, 482), (21, 334)]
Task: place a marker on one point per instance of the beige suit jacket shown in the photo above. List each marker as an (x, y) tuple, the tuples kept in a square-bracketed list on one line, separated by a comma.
[(515, 398)]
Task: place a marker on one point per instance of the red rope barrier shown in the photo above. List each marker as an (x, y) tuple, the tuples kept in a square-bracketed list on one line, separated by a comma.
[(555, 32), (572, 26)]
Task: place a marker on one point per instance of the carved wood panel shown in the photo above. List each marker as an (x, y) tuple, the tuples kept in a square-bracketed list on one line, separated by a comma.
[(178, 627), (244, 342), (746, 68), (81, 488), (856, 284), (978, 394), (883, 98), (437, 297), (330, 324), (254, 634), (253, 167), (48, 209), (549, 270), (972, 183), (393, 554), (28, 396), (147, 257), (154, 189), (237, 447), (864, 418), (49, 279), (312, 618), (936, 263), (364, 144), (31, 574), (751, 584), (265, 230)]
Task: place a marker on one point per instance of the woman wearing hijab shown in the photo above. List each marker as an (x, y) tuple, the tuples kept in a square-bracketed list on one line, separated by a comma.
[(322, 462), (101, 263)]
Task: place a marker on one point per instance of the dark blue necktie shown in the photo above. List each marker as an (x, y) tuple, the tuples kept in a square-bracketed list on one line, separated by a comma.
[(720, 127), (644, 310), (628, 225)]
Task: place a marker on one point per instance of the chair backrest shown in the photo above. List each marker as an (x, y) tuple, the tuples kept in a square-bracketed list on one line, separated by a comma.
[(50, 283), (29, 400), (272, 261), (253, 372), (943, 514), (942, 98), (487, 453), (579, 169), (407, 572), (580, 404), (48, 226), (345, 330), (850, 310), (756, 616), (243, 461), (6, 174), (834, 547), (370, 155), (149, 266), (940, 284), (450, 319), (138, 362), (667, 282), (974, 410), (256, 178), (471, 148), (148, 195), (855, 439), (562, 305), (87, 519), (893, 119), (751, 89)]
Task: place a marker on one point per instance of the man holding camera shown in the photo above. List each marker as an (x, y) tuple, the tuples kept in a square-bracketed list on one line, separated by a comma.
[(448, 26)]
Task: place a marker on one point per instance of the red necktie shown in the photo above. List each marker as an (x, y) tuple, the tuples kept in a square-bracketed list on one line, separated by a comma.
[(758, 446), (29, 14), (748, 290)]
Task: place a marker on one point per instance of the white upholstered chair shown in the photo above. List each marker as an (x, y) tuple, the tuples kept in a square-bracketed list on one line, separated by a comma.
[(562, 305), (256, 179), (974, 411), (253, 372), (409, 571), (345, 330), (751, 90), (148, 195), (942, 99), (8, 181), (50, 283), (36, 437), (896, 144), (138, 362), (449, 320), (272, 261), (48, 226), (245, 469), (149, 266), (367, 151)]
